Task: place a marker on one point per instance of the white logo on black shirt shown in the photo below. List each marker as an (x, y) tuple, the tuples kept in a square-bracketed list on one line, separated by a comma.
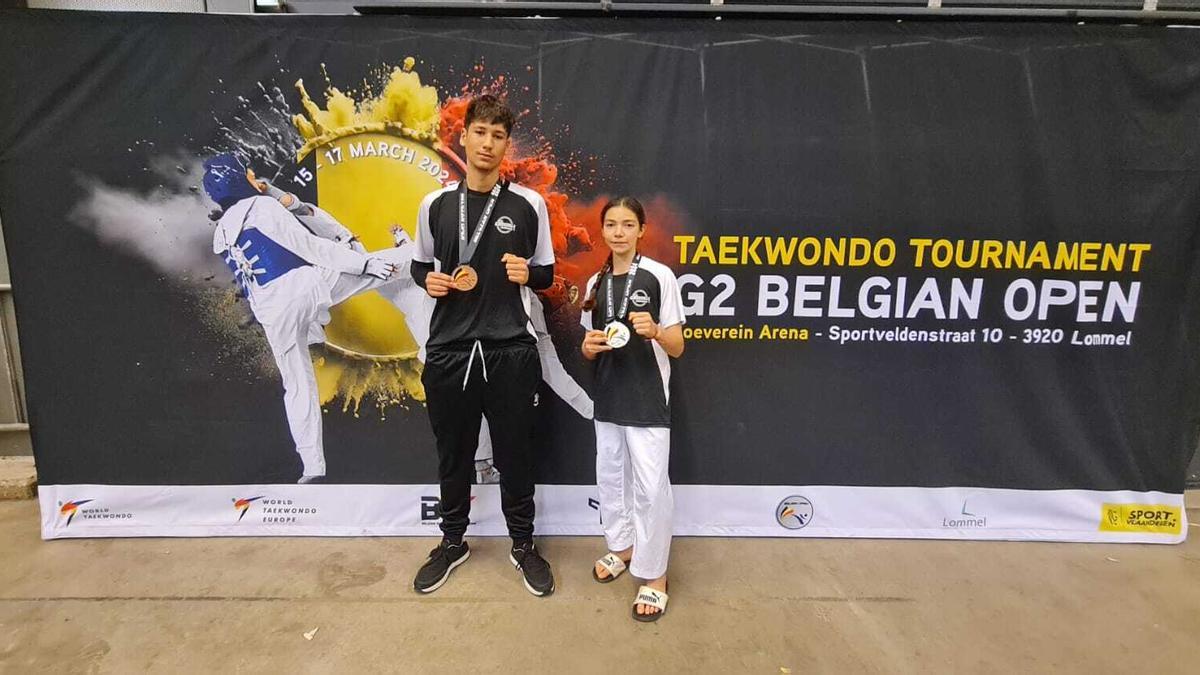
[(640, 298), (504, 225)]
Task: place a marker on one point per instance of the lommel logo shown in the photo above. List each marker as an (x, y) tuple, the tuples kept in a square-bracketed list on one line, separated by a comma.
[(1157, 518)]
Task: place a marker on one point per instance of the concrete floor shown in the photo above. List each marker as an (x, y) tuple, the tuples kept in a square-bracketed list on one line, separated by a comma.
[(243, 605)]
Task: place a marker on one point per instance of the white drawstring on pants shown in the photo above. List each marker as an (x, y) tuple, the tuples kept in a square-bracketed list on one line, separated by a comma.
[(470, 362)]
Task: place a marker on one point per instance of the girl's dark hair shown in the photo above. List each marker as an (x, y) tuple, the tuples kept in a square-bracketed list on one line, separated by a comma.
[(632, 204)]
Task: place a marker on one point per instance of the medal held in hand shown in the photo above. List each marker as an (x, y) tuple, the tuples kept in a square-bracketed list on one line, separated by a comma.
[(616, 333), (464, 276)]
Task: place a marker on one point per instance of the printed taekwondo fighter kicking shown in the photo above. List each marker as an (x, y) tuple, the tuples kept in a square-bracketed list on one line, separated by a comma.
[(295, 261)]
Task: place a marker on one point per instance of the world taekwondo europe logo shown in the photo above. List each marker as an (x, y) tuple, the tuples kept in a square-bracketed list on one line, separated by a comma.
[(243, 505), (69, 509), (794, 512)]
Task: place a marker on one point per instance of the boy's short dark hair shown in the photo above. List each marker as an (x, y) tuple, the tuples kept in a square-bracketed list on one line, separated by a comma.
[(487, 108)]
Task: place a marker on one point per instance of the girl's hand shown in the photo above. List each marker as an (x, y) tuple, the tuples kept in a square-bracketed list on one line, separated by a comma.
[(594, 343), (644, 325)]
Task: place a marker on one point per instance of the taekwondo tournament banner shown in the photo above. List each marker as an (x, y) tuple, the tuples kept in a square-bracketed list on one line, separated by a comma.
[(940, 278)]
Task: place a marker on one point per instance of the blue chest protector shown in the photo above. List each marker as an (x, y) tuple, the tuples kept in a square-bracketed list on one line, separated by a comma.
[(257, 260)]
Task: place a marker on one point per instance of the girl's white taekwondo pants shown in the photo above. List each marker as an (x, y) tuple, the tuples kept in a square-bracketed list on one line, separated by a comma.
[(636, 503)]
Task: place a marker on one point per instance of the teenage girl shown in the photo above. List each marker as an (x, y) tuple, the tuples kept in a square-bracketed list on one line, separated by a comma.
[(634, 320)]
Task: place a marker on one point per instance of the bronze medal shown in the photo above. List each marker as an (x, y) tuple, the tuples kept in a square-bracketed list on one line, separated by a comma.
[(465, 278)]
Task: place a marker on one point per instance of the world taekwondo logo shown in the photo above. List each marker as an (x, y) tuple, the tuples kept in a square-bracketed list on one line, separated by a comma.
[(243, 505), (75, 508), (69, 509), (794, 512)]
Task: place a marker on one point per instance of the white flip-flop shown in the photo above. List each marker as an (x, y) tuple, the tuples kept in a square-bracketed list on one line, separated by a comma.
[(650, 597), (612, 564)]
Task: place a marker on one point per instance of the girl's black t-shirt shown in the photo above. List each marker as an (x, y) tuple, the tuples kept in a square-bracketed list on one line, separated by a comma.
[(632, 383)]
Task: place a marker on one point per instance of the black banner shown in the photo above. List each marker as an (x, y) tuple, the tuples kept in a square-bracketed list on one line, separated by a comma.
[(912, 254)]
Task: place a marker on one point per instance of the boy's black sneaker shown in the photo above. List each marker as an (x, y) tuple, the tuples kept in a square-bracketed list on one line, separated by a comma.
[(534, 569), (442, 561)]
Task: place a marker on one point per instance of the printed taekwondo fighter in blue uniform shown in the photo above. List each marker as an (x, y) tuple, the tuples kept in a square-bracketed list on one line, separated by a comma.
[(295, 261)]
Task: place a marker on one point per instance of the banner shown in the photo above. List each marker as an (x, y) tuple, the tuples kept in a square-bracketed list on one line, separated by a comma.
[(940, 278)]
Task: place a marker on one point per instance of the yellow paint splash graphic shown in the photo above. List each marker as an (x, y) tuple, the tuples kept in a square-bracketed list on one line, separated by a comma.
[(405, 107), (370, 355), (384, 383)]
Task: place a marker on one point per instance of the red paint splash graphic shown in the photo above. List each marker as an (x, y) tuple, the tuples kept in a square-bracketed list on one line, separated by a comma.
[(574, 227)]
